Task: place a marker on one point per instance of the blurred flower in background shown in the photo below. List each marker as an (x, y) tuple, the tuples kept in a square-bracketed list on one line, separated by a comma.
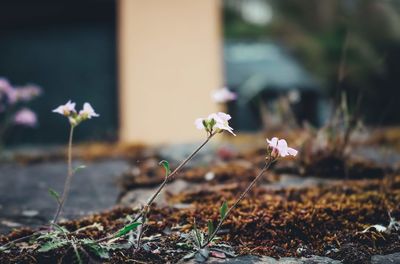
[(25, 117), (11, 100), (223, 95)]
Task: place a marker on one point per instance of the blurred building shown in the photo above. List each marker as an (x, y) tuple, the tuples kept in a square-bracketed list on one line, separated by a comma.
[(261, 72), (147, 67)]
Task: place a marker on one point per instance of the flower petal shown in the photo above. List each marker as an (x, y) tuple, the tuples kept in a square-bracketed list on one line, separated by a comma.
[(199, 123), (292, 151)]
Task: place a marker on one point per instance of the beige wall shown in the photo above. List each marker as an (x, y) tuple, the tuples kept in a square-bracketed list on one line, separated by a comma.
[(169, 62)]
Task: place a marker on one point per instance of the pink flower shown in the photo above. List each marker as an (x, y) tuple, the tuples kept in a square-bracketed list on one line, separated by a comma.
[(7, 90), (14, 95), (216, 122), (27, 93), (87, 112), (25, 117), (66, 109), (280, 147), (4, 86), (223, 95)]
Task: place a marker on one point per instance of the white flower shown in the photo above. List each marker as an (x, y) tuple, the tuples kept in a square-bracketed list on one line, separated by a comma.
[(281, 147), (66, 109), (216, 122), (87, 112), (223, 95)]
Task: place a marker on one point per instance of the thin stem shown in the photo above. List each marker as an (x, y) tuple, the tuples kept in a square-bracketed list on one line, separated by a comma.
[(18, 240), (241, 197), (68, 180), (162, 185), (140, 232), (172, 174)]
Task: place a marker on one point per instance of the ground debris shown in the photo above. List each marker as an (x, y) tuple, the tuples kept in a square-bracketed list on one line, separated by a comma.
[(325, 221)]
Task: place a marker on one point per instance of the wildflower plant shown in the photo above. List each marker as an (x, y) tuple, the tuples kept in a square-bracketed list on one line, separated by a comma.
[(11, 100), (74, 118), (206, 244), (214, 124)]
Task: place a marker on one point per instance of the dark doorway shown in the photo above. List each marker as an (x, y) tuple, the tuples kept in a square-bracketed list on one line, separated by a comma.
[(69, 49)]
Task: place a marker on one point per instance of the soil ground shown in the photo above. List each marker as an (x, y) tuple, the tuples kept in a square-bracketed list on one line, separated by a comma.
[(299, 211)]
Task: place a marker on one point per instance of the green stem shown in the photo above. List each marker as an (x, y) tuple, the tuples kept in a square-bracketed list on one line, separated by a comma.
[(68, 180), (241, 197), (151, 200), (162, 185)]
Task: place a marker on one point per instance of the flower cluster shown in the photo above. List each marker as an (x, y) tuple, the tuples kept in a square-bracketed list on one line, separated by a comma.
[(11, 96), (215, 123), (75, 118), (279, 147), (223, 95)]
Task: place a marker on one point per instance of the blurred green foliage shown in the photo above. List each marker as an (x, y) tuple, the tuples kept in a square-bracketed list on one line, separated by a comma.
[(349, 45)]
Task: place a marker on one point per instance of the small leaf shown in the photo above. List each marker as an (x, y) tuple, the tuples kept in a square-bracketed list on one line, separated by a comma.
[(130, 219), (165, 164), (184, 245), (60, 229), (97, 249), (223, 209), (78, 256), (4, 249), (205, 124), (52, 245), (115, 246), (189, 256), (126, 229), (210, 226), (79, 168), (55, 195), (198, 234), (212, 123)]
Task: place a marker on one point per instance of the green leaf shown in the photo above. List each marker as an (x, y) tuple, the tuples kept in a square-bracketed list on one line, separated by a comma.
[(223, 209), (126, 229), (184, 245), (212, 123), (199, 236), (54, 244), (79, 168), (78, 256), (97, 249), (116, 246), (55, 195), (60, 229), (189, 256), (205, 124), (165, 164), (210, 226), (4, 249), (130, 219)]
